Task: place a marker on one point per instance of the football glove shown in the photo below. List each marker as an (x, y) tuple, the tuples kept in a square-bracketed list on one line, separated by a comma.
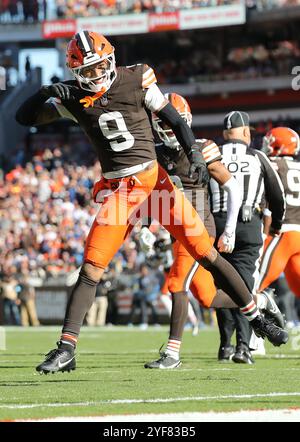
[(274, 232), (146, 240), (198, 169), (58, 90), (226, 242)]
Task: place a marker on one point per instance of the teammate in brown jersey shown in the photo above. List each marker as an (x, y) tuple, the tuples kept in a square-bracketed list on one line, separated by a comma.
[(111, 105), (186, 273), (282, 252)]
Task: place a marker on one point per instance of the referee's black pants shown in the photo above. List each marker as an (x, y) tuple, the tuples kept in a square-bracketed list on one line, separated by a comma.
[(245, 259)]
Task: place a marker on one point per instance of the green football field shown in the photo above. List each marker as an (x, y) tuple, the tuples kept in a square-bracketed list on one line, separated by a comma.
[(110, 378)]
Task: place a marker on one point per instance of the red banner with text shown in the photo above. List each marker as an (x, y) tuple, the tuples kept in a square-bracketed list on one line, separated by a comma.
[(134, 24), (165, 21)]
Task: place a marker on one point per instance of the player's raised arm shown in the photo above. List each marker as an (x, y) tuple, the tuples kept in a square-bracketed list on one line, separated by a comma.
[(274, 192), (156, 102), (45, 106)]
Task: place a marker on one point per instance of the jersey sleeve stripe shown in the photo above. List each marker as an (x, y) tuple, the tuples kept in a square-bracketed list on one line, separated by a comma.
[(210, 147), (147, 74), (212, 156), (149, 77), (212, 159), (149, 82), (212, 151)]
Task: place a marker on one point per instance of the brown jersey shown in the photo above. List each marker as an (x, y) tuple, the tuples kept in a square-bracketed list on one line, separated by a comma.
[(289, 171), (117, 125), (176, 163)]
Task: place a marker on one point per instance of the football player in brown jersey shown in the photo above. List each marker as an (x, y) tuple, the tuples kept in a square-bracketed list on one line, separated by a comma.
[(111, 104), (282, 251), (186, 273)]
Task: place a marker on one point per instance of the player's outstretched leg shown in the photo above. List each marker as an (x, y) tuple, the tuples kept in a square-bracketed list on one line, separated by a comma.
[(196, 242), (264, 301), (170, 357), (227, 278), (267, 305), (63, 357)]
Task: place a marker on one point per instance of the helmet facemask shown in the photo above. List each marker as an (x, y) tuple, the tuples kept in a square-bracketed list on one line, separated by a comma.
[(166, 134), (267, 145), (96, 73)]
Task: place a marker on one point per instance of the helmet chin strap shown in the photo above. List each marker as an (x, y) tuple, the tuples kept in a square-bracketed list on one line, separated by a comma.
[(89, 101)]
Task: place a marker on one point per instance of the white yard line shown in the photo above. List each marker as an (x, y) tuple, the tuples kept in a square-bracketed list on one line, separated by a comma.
[(286, 415), (147, 401), (116, 328)]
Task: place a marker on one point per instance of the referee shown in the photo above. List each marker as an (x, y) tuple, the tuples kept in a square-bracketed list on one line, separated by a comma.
[(260, 184)]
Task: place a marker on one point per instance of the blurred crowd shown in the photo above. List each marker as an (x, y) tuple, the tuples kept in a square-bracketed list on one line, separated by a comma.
[(247, 62), (86, 8), (23, 11), (10, 73), (46, 211), (32, 11), (270, 4)]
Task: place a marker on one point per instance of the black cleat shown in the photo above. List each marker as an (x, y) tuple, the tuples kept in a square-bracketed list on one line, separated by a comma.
[(58, 360), (264, 328), (271, 311), (242, 355), (225, 353), (164, 362)]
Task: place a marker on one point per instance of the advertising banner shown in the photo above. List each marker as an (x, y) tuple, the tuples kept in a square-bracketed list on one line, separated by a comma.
[(130, 24), (59, 28), (115, 24), (165, 21), (212, 17)]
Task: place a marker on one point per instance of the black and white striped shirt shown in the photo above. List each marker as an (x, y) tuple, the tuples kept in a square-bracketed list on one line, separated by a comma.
[(256, 177)]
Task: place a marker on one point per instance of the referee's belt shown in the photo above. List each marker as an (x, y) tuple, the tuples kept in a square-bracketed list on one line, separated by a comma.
[(246, 213)]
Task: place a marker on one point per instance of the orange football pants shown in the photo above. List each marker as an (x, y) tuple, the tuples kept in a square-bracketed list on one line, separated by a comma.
[(281, 254), (165, 288), (186, 274), (148, 193)]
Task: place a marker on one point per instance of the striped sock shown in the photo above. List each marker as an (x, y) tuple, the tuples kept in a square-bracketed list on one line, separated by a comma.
[(173, 348), (68, 339), (250, 311)]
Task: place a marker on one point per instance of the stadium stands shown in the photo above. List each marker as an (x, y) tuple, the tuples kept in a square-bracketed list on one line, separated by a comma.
[(13, 11)]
